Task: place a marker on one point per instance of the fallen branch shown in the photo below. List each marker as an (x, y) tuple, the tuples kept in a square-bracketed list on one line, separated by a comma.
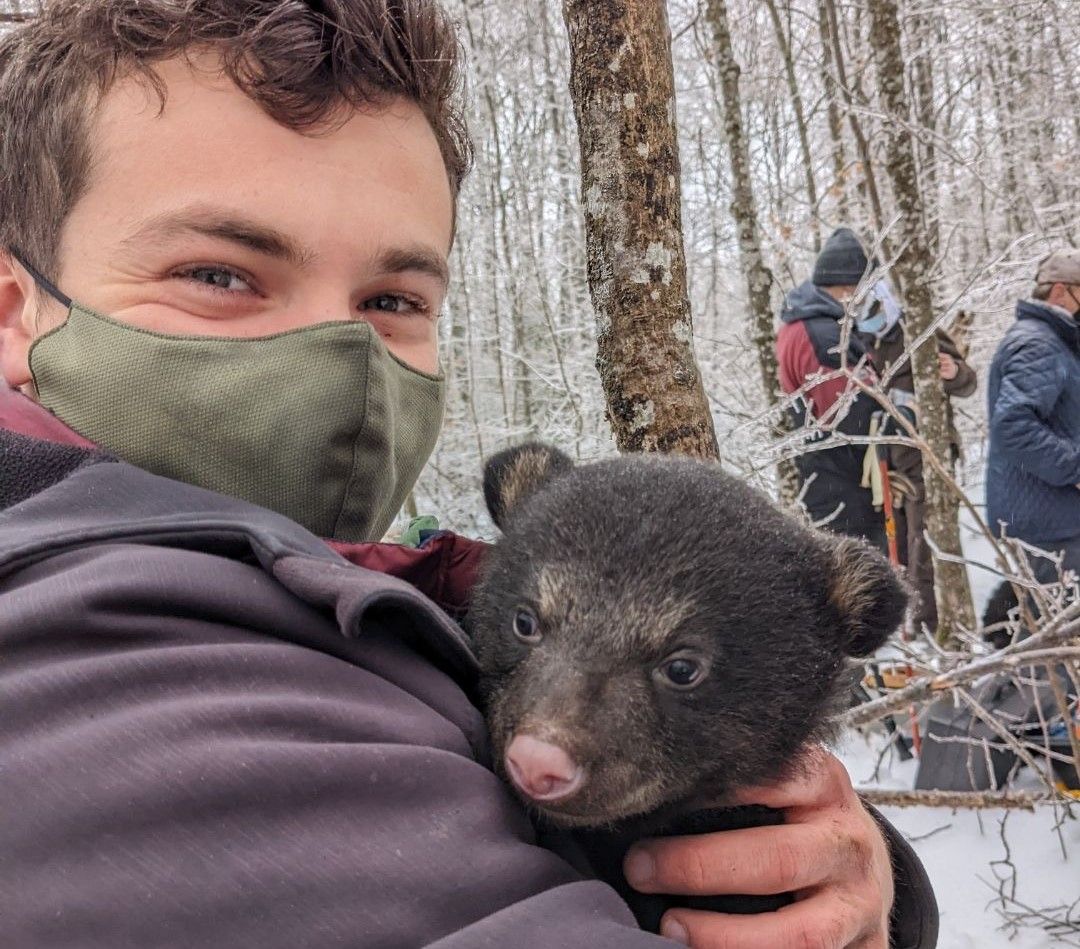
[(969, 800)]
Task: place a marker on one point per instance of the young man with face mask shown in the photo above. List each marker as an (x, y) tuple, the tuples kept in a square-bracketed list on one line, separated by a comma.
[(225, 229), (1033, 470), (881, 332)]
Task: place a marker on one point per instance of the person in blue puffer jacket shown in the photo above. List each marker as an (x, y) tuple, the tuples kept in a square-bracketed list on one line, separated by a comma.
[(1033, 476)]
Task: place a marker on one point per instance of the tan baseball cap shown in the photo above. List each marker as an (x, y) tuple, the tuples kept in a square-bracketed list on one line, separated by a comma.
[(1062, 266)]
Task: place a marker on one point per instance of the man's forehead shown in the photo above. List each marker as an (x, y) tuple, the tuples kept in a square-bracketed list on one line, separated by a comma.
[(199, 100), (207, 143), (156, 91)]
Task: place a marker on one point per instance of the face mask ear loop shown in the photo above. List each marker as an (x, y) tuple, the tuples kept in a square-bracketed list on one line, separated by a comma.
[(43, 282)]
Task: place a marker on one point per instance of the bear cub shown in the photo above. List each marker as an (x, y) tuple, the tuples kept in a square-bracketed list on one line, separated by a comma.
[(653, 634)]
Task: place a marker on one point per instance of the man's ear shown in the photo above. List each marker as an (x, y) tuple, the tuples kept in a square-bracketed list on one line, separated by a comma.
[(867, 593), (17, 310), (515, 473)]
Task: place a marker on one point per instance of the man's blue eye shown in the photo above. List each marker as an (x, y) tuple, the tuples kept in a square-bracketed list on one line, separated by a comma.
[(394, 303), (218, 278)]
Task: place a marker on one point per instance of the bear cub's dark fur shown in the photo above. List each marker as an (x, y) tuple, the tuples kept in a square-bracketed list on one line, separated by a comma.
[(653, 634)]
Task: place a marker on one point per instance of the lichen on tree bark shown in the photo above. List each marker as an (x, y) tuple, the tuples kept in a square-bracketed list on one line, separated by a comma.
[(623, 88)]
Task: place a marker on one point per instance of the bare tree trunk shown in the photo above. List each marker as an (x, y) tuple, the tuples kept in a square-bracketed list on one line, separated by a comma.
[(923, 36), (623, 88), (915, 267), (462, 334), (861, 142), (784, 45), (494, 182), (521, 398), (1003, 93), (759, 278), (836, 130)]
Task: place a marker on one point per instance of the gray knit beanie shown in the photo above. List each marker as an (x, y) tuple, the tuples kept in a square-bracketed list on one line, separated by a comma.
[(842, 261)]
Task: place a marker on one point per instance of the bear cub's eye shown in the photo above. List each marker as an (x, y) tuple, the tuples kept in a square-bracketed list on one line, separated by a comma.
[(526, 626), (682, 672)]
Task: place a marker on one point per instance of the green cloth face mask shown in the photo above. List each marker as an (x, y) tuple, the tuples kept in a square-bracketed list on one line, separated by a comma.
[(321, 424)]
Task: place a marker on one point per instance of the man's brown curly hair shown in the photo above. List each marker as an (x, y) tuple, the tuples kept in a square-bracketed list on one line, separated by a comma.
[(307, 63)]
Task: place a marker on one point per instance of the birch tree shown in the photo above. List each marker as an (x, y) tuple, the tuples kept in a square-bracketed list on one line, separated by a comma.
[(623, 88)]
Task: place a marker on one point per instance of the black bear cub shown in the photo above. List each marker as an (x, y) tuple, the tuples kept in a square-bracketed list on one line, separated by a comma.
[(653, 634)]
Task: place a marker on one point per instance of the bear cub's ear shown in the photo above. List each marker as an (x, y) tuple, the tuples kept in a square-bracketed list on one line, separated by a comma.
[(515, 473), (869, 595)]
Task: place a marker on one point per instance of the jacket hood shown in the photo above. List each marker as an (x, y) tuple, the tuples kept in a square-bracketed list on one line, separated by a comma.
[(806, 302), (1066, 328)]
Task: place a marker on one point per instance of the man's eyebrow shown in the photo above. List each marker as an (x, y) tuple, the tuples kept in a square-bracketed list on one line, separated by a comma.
[(230, 226), (419, 258), (223, 225)]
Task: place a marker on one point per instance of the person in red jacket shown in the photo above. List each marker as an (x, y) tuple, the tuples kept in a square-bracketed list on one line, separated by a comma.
[(808, 350), (224, 231)]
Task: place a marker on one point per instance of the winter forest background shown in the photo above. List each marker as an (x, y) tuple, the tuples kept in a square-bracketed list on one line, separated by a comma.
[(992, 111), (998, 126)]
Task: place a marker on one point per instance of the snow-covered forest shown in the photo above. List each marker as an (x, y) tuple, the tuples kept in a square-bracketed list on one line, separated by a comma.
[(997, 128)]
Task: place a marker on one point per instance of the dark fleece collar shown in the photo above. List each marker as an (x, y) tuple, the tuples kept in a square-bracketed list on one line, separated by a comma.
[(30, 465), (37, 450)]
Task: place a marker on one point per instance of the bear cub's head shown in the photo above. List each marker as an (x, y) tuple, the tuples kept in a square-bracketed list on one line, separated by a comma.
[(654, 633)]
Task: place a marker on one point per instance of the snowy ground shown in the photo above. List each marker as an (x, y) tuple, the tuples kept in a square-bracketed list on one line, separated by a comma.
[(962, 851), (959, 851)]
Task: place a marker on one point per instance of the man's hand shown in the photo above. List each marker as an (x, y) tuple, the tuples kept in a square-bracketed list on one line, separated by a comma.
[(830, 853), (947, 366)]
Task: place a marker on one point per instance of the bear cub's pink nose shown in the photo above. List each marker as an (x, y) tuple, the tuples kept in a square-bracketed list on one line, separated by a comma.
[(541, 770)]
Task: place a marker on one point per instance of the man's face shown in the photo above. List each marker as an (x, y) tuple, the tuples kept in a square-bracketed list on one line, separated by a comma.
[(1066, 296), (1072, 292), (843, 294), (209, 218)]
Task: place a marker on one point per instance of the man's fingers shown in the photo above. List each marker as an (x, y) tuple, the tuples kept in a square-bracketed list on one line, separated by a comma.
[(829, 851), (816, 922), (754, 861), (819, 781)]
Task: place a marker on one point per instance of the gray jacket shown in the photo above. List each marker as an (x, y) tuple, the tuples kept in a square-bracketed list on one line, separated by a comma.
[(216, 732)]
